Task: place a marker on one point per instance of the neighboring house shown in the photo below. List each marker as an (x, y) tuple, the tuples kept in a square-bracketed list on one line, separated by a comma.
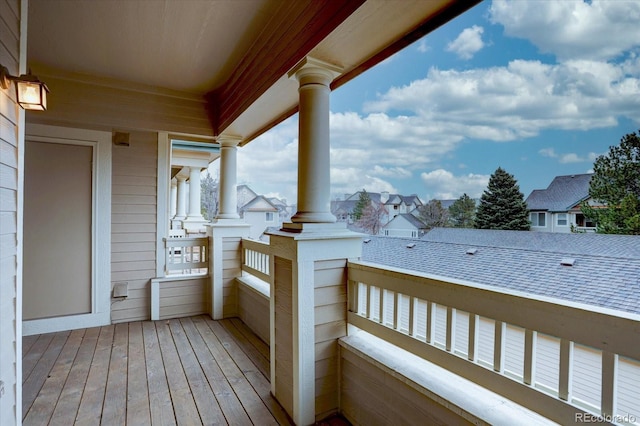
[(404, 225), (594, 269), (395, 204), (260, 213), (245, 194), (557, 208)]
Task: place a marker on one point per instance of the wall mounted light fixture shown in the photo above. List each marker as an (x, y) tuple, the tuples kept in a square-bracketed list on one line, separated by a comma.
[(31, 93)]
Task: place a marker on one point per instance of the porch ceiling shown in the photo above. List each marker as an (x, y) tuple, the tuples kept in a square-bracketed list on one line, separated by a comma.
[(234, 54)]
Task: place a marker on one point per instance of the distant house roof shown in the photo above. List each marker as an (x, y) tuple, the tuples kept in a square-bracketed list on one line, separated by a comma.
[(563, 193), (414, 221), (606, 271), (259, 204), (375, 197)]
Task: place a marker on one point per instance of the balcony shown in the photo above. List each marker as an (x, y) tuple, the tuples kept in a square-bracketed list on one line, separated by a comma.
[(415, 348), (183, 371)]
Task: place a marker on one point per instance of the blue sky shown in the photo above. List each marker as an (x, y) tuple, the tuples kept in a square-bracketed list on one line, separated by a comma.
[(539, 88)]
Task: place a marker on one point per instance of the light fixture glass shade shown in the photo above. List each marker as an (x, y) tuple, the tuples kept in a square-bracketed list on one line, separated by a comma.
[(32, 94)]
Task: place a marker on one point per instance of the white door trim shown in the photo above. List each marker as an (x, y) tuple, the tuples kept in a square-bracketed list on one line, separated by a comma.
[(100, 227)]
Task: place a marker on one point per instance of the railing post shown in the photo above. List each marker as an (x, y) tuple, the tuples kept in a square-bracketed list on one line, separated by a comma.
[(225, 264), (305, 330)]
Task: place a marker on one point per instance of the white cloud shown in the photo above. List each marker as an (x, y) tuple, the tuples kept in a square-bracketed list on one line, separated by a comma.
[(423, 47), (519, 100), (442, 184), (599, 29), (468, 43), (568, 157)]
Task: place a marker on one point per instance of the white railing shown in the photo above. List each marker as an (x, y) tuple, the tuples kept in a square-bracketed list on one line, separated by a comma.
[(256, 258), (554, 357), (186, 255)]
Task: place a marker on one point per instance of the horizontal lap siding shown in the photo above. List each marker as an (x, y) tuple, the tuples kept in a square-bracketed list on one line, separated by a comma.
[(371, 396), (9, 130), (283, 270), (184, 298), (330, 296), (253, 309), (232, 264), (133, 224)]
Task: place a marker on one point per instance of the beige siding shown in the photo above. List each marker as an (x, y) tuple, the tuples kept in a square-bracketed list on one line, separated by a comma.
[(82, 104), (284, 329), (133, 221), (253, 310), (184, 298), (330, 324), (9, 148), (232, 264), (371, 396), (547, 362)]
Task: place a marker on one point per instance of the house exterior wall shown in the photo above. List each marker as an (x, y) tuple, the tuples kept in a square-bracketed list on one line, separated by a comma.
[(183, 298), (232, 268), (399, 227), (258, 222), (133, 224), (12, 56)]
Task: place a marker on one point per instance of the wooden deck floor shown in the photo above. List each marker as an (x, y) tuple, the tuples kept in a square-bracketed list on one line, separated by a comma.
[(187, 371)]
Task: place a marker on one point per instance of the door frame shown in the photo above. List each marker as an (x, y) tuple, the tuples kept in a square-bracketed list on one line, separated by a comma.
[(100, 227)]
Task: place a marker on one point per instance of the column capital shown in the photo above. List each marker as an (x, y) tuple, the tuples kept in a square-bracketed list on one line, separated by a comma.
[(312, 70), (229, 140)]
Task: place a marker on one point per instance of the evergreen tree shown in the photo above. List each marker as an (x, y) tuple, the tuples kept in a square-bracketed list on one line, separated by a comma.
[(616, 185), (363, 201), (462, 212), (433, 214), (502, 204)]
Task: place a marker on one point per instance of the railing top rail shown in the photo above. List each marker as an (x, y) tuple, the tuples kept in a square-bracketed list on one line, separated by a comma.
[(602, 328), (185, 241), (261, 246)]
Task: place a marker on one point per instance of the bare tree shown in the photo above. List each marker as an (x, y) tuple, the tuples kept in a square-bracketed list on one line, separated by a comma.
[(433, 214), (371, 218)]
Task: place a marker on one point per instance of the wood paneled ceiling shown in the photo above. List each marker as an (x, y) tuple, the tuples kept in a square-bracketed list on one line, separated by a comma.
[(233, 54)]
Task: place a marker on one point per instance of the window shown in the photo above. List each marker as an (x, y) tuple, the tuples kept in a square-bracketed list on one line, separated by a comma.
[(269, 216), (562, 219), (583, 222), (538, 219)]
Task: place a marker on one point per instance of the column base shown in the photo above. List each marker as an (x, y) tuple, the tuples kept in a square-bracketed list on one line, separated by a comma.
[(191, 224), (313, 217)]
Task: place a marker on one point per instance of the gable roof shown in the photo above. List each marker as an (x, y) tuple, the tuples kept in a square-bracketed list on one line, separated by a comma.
[(413, 221), (562, 194), (259, 204), (606, 272)]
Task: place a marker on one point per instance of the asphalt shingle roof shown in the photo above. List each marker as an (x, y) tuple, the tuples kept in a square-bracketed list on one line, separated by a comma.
[(563, 193), (606, 272)]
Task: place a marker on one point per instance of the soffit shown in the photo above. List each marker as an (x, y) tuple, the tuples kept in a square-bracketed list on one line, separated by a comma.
[(184, 46), (233, 53)]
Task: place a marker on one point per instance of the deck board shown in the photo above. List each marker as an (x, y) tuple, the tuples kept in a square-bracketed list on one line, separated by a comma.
[(182, 371)]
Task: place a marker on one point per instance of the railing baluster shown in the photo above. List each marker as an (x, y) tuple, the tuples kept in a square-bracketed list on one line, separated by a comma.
[(609, 378), (566, 354), (381, 305), (430, 322), (412, 302), (396, 311), (472, 354), (498, 346), (530, 338), (450, 329), (368, 311)]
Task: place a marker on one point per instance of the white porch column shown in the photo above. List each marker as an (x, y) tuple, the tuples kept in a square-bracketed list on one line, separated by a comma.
[(173, 198), (195, 210), (309, 258), (228, 177), (314, 77), (181, 208)]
